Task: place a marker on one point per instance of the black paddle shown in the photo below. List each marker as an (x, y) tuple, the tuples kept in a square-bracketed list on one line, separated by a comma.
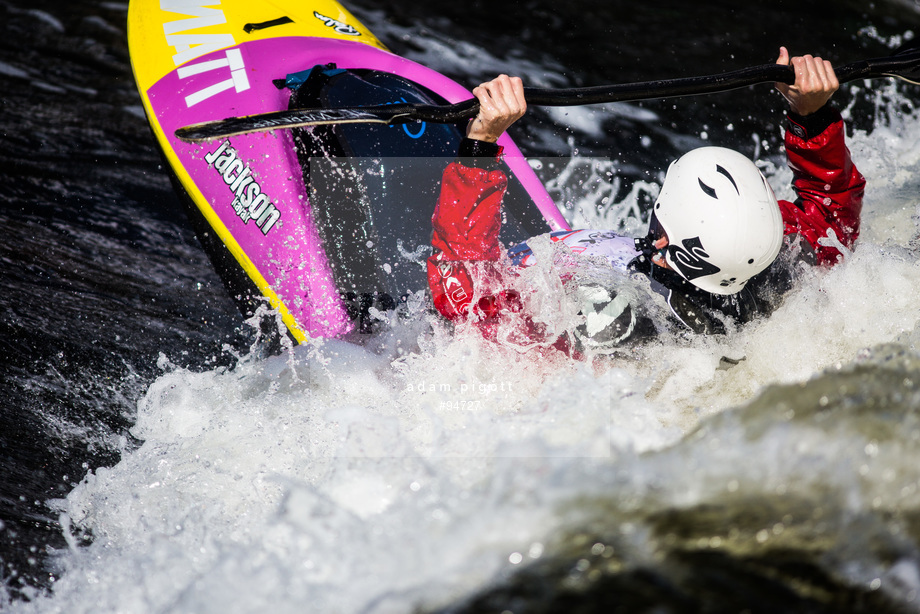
[(903, 64)]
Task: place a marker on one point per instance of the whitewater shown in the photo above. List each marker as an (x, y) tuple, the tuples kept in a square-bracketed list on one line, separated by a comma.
[(426, 469), (427, 463)]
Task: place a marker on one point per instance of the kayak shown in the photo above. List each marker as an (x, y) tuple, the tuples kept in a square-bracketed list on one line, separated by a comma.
[(327, 226)]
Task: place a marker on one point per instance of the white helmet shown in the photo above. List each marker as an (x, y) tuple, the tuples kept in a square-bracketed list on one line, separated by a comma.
[(721, 218)]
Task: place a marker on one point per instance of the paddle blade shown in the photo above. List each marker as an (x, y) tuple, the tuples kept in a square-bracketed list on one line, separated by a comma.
[(294, 118)]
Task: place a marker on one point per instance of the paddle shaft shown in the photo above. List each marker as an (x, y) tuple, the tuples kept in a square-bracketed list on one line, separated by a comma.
[(626, 92), (668, 88)]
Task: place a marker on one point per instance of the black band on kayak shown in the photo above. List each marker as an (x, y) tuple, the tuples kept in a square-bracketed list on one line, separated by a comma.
[(250, 27)]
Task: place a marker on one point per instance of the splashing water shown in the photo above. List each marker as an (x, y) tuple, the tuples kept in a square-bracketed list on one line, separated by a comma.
[(428, 463)]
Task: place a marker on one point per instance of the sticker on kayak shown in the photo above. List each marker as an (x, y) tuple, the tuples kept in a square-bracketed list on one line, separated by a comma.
[(181, 34), (336, 25), (249, 201), (233, 62)]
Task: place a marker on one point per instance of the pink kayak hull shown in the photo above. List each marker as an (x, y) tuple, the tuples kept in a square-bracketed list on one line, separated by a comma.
[(253, 182)]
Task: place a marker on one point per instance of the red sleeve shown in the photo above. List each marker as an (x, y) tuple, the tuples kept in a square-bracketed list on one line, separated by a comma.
[(467, 218), (829, 189), (466, 225)]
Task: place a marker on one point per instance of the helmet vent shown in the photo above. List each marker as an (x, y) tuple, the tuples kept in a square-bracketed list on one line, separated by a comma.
[(711, 191), (720, 169)]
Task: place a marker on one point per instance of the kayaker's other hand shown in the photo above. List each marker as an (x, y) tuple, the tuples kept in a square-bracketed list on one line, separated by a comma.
[(815, 82), (501, 103)]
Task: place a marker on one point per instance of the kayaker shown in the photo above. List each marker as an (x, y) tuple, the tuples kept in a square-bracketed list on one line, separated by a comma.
[(711, 250)]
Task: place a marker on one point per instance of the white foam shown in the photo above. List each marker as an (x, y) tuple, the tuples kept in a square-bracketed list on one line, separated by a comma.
[(381, 478)]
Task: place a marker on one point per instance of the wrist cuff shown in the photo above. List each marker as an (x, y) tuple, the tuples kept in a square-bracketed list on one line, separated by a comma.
[(479, 154), (809, 126)]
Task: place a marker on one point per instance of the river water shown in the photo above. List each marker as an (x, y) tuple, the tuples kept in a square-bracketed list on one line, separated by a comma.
[(154, 459)]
